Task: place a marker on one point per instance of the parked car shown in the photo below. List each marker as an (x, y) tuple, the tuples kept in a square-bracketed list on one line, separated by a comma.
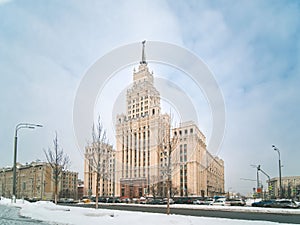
[(143, 200), (199, 201), (183, 200), (165, 201), (235, 202), (156, 201), (113, 200), (220, 202), (203, 201), (85, 199), (285, 203), (264, 203)]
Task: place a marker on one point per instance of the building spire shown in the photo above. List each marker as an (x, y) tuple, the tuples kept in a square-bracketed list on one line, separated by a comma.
[(143, 54)]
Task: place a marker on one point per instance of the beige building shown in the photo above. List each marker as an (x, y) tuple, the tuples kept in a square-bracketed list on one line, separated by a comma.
[(215, 175), (138, 135), (104, 156), (195, 172), (34, 181), (290, 187), (142, 137), (69, 185), (189, 161)]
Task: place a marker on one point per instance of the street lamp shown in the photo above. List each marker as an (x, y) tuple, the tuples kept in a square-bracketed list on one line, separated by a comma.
[(280, 187), (18, 127)]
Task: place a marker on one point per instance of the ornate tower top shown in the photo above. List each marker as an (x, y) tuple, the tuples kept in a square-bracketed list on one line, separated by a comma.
[(142, 74)]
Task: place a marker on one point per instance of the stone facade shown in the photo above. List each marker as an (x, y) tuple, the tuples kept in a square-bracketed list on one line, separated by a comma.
[(215, 175), (34, 181), (195, 171), (290, 187), (138, 136), (106, 158)]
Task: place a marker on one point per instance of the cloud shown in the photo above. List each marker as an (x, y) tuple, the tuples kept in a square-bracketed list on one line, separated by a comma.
[(3, 2), (46, 49), (252, 47)]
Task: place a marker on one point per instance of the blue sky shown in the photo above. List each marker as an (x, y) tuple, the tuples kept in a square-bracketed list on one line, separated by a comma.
[(252, 47)]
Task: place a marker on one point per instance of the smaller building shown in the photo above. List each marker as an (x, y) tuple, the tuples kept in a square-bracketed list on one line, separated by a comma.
[(69, 185), (35, 181), (196, 171), (99, 157), (290, 187), (215, 175)]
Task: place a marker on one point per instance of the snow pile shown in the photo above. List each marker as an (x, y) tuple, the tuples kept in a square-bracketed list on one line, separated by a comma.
[(49, 212)]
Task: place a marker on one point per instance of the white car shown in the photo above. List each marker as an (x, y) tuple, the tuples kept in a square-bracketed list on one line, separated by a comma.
[(220, 201)]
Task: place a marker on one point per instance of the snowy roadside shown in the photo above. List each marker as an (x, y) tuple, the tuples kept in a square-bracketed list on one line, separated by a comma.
[(47, 211), (218, 208)]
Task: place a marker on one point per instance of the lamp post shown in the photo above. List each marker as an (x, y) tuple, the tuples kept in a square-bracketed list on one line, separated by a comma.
[(18, 127), (279, 161)]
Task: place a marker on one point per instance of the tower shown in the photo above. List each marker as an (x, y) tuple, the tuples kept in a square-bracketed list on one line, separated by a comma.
[(138, 133)]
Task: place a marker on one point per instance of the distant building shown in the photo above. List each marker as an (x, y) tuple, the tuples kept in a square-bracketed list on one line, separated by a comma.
[(290, 187), (106, 157), (69, 185), (34, 181), (215, 175)]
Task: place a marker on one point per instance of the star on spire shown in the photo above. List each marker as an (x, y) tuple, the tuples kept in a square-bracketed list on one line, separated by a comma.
[(143, 54)]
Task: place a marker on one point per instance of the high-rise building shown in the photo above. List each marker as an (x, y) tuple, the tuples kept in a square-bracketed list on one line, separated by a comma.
[(145, 156), (138, 136)]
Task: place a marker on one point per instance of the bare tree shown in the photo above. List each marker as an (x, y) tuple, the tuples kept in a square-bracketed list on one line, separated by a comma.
[(99, 157), (167, 146), (58, 161)]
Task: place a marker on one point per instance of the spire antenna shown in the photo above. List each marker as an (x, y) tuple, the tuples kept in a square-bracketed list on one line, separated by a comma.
[(143, 53)]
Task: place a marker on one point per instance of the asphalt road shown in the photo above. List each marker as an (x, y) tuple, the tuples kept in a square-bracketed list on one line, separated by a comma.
[(280, 218)]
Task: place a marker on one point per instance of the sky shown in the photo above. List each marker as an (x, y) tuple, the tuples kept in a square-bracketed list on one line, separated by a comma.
[(251, 47)]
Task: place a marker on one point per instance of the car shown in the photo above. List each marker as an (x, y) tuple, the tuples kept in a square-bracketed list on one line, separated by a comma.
[(113, 200), (203, 201), (183, 200), (198, 202), (285, 203), (143, 200), (264, 203), (235, 202), (171, 201), (156, 201), (220, 202)]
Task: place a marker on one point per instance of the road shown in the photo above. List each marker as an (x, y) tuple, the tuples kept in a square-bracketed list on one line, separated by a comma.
[(280, 218)]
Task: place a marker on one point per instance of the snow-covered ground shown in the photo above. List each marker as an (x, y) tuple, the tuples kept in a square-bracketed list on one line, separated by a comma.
[(47, 211)]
